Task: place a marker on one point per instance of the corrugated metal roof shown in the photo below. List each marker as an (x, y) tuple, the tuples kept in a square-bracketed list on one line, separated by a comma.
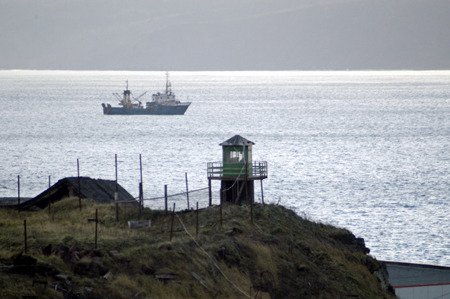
[(237, 140)]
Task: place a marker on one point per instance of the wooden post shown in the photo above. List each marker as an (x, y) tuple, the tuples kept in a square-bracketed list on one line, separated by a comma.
[(221, 192), (95, 220), (25, 245), (196, 222), (141, 187), (49, 202), (171, 223), (140, 166), (165, 198), (187, 189), (209, 192), (141, 199), (251, 210), (96, 227), (247, 197), (116, 194), (221, 202), (246, 175), (262, 193), (18, 191), (79, 184)]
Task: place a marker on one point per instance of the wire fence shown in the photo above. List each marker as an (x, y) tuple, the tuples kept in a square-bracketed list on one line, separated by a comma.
[(181, 200)]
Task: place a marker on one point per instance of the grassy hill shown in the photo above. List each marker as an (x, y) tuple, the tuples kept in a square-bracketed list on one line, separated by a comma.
[(279, 255)]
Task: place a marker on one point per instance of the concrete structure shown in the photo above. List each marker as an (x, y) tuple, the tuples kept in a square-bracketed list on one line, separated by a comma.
[(417, 281)]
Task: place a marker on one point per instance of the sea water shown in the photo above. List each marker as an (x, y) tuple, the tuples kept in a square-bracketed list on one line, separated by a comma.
[(368, 151)]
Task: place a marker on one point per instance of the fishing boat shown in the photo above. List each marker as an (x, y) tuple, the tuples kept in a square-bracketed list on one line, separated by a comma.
[(163, 103)]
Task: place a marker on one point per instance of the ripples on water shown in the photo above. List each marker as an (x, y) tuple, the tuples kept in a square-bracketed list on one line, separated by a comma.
[(368, 151)]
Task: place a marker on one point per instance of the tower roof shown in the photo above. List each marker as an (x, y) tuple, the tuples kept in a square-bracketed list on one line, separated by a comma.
[(237, 140)]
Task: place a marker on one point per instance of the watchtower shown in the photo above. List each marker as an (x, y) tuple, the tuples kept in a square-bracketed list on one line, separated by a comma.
[(237, 171)]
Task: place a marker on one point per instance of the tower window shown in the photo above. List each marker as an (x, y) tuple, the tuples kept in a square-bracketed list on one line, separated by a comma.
[(236, 157)]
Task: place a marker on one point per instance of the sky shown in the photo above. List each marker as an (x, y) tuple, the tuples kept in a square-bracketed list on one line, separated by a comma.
[(224, 34)]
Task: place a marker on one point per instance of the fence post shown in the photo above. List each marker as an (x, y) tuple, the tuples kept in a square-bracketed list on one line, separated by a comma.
[(116, 194), (79, 183), (25, 245), (96, 227), (49, 202), (187, 189), (262, 193), (251, 210), (196, 222), (95, 220), (246, 177), (141, 199), (210, 192), (141, 187), (18, 191), (171, 223), (165, 198), (221, 202)]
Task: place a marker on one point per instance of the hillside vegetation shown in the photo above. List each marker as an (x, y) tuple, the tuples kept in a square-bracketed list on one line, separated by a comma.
[(279, 255)]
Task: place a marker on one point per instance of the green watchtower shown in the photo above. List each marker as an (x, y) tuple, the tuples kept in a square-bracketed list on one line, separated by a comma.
[(237, 171)]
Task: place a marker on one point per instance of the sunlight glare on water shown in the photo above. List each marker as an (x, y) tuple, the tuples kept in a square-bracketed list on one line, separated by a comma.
[(368, 151)]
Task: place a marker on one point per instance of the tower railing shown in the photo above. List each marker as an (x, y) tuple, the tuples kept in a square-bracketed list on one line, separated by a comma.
[(257, 170)]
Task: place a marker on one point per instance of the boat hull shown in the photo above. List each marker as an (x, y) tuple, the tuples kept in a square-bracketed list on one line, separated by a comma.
[(179, 109)]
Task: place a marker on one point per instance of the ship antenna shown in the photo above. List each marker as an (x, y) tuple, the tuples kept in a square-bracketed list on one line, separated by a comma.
[(167, 83)]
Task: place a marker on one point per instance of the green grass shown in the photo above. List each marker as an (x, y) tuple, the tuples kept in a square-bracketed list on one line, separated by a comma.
[(278, 255)]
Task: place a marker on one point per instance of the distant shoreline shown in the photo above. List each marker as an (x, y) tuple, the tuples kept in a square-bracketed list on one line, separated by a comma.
[(231, 71)]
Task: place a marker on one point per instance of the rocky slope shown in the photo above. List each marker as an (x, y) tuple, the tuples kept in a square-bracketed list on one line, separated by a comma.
[(277, 255)]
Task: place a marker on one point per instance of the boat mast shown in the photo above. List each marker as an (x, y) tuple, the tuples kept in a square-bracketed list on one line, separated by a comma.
[(126, 92), (168, 85)]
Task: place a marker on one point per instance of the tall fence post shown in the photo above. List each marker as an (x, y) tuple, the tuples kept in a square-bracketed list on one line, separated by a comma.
[(251, 210), (171, 222), (49, 201), (18, 191), (165, 198), (96, 228), (196, 221), (141, 199), (116, 193), (221, 202), (187, 189), (210, 192), (25, 245), (247, 197), (246, 177), (141, 187), (79, 184), (262, 193)]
